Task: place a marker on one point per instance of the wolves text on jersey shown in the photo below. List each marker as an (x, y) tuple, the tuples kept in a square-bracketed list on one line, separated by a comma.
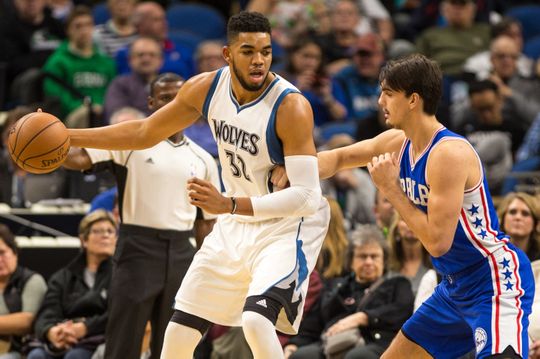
[(236, 136), (417, 192)]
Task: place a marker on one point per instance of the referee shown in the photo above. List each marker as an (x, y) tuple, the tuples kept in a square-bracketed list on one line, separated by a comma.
[(154, 249)]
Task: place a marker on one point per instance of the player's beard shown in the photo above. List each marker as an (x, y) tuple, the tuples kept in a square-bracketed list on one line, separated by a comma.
[(244, 84)]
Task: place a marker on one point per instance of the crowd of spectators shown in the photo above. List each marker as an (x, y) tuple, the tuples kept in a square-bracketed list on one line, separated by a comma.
[(57, 55)]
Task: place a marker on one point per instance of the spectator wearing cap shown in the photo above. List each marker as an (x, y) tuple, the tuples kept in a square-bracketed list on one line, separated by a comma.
[(493, 125), (71, 321), (360, 80), (451, 45)]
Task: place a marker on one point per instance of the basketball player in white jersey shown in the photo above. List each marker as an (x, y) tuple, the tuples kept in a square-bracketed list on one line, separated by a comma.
[(252, 269), (434, 179)]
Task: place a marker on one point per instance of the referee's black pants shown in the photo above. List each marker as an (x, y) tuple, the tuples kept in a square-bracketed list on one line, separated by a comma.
[(149, 265)]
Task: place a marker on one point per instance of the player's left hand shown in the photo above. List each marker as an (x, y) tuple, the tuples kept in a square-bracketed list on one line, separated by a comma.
[(204, 195), (384, 171)]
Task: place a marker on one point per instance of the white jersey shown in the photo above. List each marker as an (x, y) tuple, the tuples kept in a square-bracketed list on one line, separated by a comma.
[(248, 145), (152, 182)]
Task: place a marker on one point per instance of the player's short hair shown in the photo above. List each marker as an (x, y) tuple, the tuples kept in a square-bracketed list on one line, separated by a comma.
[(8, 238), (164, 78), (247, 21), (415, 74)]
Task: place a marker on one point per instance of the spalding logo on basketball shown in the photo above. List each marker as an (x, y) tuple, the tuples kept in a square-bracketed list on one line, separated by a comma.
[(38, 142)]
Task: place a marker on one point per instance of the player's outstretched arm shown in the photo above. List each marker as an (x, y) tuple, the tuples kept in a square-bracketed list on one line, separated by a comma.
[(178, 114), (360, 153)]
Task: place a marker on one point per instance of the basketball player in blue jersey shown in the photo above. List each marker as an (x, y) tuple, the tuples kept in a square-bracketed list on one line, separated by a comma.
[(252, 269), (435, 181)]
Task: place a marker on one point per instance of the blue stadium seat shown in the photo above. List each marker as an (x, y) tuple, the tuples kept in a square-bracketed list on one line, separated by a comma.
[(531, 48), (529, 17), (202, 20), (187, 39), (100, 13)]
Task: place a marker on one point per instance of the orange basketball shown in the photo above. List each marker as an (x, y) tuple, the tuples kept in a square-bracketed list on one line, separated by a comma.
[(38, 142)]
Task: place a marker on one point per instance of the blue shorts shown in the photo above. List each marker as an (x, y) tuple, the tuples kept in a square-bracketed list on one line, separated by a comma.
[(485, 307)]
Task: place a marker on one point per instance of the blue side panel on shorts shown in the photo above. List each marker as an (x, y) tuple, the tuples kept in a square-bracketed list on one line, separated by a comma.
[(210, 93), (300, 259), (275, 147)]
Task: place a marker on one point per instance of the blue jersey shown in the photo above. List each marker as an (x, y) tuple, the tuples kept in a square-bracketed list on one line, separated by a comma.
[(485, 297), (477, 233)]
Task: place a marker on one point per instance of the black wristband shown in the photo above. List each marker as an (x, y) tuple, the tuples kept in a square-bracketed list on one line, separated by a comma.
[(233, 200)]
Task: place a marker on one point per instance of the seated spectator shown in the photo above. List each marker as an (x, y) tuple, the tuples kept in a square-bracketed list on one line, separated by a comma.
[(28, 36), (480, 64), (77, 69), (408, 256), (150, 21), (451, 45), (133, 89), (347, 23), (360, 81), (305, 70), (495, 128), (519, 214), (524, 91), (119, 30), (23, 292), (388, 303), (71, 321)]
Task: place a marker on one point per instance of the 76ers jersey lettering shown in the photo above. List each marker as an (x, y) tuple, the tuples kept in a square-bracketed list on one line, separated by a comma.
[(477, 233)]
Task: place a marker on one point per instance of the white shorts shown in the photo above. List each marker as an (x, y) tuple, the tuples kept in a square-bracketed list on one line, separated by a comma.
[(242, 259)]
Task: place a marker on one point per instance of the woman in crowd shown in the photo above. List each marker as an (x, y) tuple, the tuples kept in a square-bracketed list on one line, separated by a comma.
[(305, 69), (408, 256), (366, 299), (71, 321), (23, 291), (519, 214), (330, 263)]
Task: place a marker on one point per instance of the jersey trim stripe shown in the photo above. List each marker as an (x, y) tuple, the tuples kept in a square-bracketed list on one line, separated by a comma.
[(254, 102), (413, 162), (275, 148), (496, 284), (518, 297), (210, 93)]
